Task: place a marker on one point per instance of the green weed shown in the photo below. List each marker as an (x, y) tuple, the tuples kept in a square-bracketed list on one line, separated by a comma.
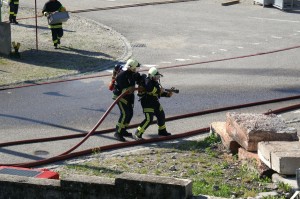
[(284, 187)]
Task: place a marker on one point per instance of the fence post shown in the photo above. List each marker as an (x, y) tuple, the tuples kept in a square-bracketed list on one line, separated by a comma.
[(1, 2)]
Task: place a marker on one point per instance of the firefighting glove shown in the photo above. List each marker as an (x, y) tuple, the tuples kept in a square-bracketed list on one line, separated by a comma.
[(131, 89), (111, 84), (169, 94)]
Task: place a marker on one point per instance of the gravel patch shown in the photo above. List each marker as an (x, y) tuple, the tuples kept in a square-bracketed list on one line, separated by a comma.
[(86, 46)]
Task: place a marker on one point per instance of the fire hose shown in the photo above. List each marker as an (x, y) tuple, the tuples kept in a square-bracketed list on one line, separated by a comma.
[(67, 154), (176, 117)]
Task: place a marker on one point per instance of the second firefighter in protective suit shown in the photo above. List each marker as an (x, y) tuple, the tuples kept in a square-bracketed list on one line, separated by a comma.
[(150, 93), (125, 81)]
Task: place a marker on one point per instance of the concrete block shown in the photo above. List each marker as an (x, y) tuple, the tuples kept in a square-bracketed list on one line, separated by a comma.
[(97, 187), (155, 187), (5, 38), (283, 157), (286, 162), (126, 186), (220, 129), (249, 129), (13, 186)]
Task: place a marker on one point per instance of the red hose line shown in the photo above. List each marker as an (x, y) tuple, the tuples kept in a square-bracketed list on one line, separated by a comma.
[(167, 119), (90, 133), (108, 147), (130, 6), (161, 68), (97, 125), (65, 156), (116, 7)]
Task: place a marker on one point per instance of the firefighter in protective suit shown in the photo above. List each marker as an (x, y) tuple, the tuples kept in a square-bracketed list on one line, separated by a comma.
[(150, 103), (56, 29), (125, 81), (13, 11)]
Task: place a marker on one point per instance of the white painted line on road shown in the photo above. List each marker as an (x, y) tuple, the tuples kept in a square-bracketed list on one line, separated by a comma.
[(240, 47), (194, 56), (279, 20), (166, 62), (225, 50), (182, 59), (213, 53), (110, 71), (276, 37), (255, 43)]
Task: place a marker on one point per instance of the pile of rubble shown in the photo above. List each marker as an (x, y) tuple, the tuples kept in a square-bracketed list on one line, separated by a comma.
[(265, 138)]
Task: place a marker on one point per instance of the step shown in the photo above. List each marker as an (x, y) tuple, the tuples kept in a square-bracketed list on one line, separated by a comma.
[(281, 156)]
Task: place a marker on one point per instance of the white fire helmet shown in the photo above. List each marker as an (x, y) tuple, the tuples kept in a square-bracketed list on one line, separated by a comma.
[(153, 73), (131, 64)]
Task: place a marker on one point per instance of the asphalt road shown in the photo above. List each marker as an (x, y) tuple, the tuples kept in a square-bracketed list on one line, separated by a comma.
[(165, 35)]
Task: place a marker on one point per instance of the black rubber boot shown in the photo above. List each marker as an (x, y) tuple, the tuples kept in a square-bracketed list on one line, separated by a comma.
[(163, 132), (126, 133), (119, 137), (15, 20), (10, 19)]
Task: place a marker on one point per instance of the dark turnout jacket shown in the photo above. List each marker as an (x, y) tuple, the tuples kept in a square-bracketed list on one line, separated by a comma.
[(52, 6)]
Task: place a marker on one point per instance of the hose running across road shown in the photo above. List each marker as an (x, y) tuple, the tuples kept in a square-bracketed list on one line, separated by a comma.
[(67, 154)]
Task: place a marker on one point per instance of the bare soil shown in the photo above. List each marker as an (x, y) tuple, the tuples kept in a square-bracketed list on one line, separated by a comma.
[(86, 46)]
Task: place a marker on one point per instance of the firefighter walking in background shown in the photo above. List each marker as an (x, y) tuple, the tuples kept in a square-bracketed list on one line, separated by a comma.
[(124, 81), (150, 103), (56, 29), (13, 11)]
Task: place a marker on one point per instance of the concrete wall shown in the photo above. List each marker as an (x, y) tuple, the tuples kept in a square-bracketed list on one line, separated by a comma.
[(5, 38), (89, 187)]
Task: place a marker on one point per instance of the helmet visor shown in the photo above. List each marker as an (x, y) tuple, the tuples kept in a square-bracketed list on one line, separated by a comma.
[(157, 77)]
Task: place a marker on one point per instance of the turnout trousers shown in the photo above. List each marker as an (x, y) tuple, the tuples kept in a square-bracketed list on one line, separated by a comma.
[(126, 113), (57, 33), (13, 11), (150, 110)]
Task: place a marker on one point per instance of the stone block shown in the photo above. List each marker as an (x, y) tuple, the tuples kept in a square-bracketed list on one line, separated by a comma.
[(5, 38), (246, 155), (259, 166), (248, 129), (220, 129), (95, 185), (155, 187), (283, 157)]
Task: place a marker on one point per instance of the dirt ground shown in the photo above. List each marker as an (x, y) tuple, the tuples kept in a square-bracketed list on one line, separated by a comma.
[(86, 46)]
